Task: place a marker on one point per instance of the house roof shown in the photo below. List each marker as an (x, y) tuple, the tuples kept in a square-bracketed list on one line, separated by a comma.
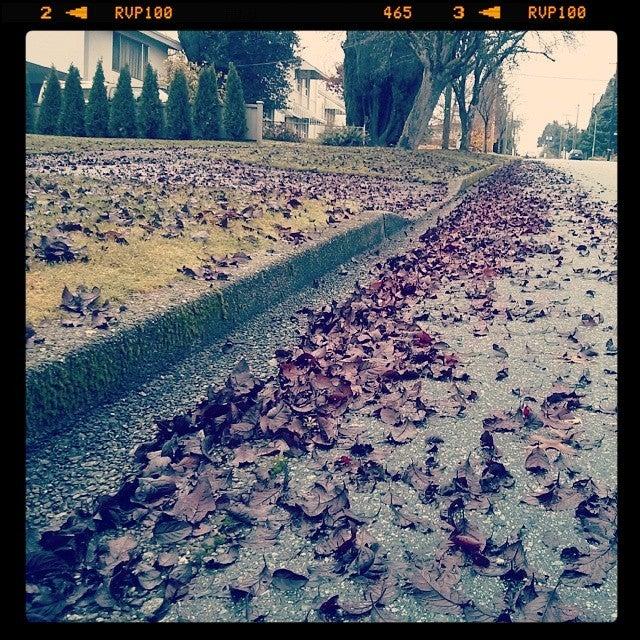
[(172, 43), (307, 70), (39, 73)]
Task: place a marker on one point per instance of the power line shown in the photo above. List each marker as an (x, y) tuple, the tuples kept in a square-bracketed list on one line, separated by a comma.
[(257, 64), (530, 75)]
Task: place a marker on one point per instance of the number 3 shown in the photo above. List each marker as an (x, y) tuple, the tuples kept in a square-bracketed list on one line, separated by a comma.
[(458, 13)]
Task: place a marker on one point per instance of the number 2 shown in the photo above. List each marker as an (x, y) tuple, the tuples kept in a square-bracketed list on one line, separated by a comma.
[(45, 13), (458, 12)]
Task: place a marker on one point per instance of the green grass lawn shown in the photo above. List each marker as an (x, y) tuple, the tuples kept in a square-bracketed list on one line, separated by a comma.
[(148, 260), (433, 164)]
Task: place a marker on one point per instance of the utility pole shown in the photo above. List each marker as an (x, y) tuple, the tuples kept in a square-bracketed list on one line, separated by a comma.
[(575, 131), (564, 129)]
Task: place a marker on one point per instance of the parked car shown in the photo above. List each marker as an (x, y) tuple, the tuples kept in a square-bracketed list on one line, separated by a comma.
[(576, 154)]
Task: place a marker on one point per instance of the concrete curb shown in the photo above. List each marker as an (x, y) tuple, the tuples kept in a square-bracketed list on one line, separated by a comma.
[(102, 370)]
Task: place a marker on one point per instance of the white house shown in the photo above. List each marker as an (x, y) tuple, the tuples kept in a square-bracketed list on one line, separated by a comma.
[(84, 48), (311, 107)]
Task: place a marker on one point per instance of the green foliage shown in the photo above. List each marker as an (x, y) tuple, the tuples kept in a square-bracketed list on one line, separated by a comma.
[(72, 114), (280, 467), (178, 108), (97, 118), (248, 49), (29, 110), (122, 116), (343, 137), (556, 138), (234, 115), (150, 113), (604, 121), (49, 116), (207, 547), (207, 110), (382, 76), (279, 131)]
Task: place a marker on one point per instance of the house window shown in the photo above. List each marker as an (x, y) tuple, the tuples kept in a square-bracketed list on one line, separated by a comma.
[(330, 117), (131, 53), (299, 85), (307, 91)]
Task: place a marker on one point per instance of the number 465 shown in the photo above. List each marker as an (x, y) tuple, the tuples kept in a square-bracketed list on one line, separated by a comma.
[(399, 13)]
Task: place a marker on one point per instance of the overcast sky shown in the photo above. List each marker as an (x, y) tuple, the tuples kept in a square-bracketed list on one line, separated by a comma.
[(543, 90)]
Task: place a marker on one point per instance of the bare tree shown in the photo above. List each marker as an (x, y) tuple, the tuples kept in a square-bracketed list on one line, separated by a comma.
[(444, 55), (491, 93), (513, 129), (501, 120), (335, 81), (494, 49)]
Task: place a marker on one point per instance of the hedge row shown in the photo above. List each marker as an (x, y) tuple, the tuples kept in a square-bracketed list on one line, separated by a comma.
[(63, 111)]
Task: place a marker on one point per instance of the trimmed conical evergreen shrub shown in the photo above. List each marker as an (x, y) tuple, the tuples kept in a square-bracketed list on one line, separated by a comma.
[(207, 110), (122, 114), (49, 116), (150, 114), (234, 117), (98, 106), (29, 125), (178, 108), (72, 113)]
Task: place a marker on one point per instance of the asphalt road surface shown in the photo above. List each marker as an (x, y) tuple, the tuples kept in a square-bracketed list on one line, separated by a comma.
[(600, 177), (561, 305)]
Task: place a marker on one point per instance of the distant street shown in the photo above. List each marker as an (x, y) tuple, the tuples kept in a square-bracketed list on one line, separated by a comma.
[(602, 176)]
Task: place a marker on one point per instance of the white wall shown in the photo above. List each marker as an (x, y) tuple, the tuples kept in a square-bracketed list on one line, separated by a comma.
[(157, 55), (254, 114), (98, 45), (84, 49), (312, 106)]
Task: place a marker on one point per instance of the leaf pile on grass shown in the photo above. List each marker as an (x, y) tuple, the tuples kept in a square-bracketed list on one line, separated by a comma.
[(85, 308), (214, 268), (422, 165), (31, 336), (225, 205), (56, 247)]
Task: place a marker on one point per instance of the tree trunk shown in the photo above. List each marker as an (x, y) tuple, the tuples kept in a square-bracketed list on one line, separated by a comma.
[(465, 130), (484, 146), (417, 122), (465, 118), (392, 131), (446, 123), (374, 124)]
